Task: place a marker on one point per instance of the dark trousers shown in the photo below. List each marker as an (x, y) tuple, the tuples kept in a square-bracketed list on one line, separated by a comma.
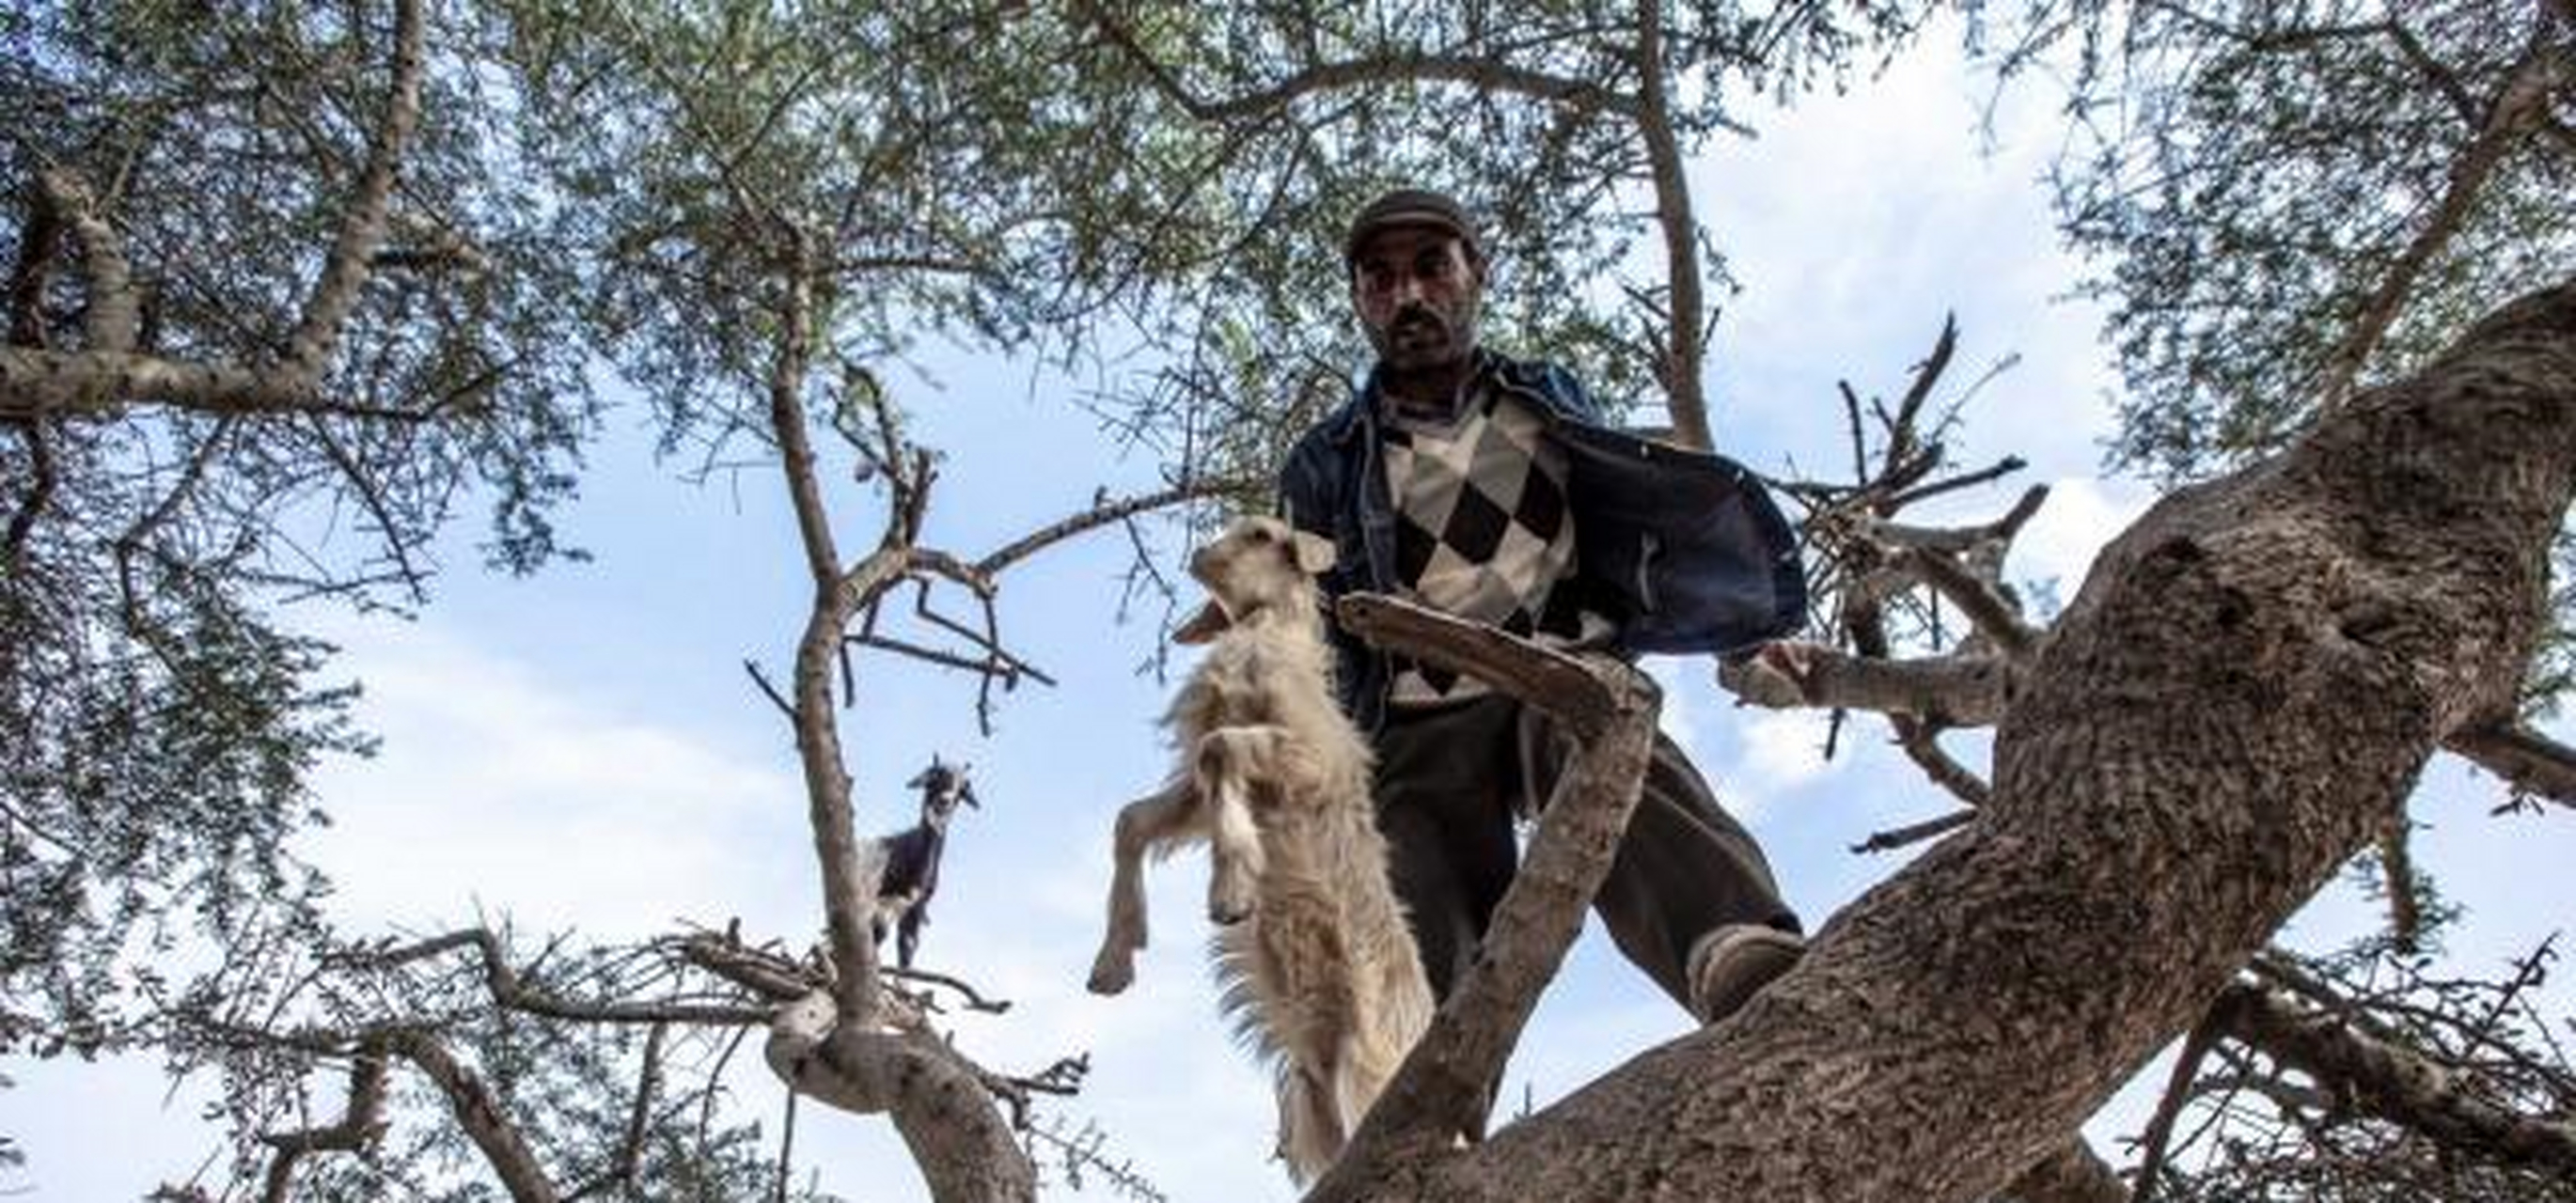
[(1449, 784)]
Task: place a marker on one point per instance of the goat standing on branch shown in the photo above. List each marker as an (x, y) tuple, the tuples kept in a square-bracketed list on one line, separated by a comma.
[(912, 858), (1314, 953)]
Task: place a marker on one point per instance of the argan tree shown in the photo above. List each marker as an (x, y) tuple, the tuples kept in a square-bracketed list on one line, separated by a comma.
[(274, 246)]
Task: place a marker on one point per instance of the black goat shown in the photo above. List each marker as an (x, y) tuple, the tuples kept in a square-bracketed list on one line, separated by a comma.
[(912, 858)]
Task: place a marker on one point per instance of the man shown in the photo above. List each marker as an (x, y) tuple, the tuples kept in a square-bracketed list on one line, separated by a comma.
[(1486, 488)]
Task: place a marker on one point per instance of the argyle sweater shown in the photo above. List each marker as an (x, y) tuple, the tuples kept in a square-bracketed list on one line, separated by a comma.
[(1482, 531)]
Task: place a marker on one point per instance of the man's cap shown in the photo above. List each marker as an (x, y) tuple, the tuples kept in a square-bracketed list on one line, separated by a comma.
[(1409, 207)]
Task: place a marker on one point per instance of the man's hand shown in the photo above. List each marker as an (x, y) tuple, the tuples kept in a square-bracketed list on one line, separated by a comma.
[(1776, 674)]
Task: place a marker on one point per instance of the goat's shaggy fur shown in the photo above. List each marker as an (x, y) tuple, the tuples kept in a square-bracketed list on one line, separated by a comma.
[(1317, 965)]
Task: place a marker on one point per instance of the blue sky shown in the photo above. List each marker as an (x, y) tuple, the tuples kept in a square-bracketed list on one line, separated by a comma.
[(583, 751)]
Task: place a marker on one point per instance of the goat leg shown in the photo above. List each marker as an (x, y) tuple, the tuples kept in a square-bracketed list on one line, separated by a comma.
[(1155, 819), (908, 932), (1229, 760)]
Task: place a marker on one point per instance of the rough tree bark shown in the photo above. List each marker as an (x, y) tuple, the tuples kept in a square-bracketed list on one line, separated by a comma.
[(2247, 686)]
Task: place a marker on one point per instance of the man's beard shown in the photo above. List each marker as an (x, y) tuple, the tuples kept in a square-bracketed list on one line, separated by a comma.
[(1421, 337)]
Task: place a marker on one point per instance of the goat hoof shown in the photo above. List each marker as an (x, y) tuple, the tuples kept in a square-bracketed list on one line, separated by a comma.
[(1112, 975)]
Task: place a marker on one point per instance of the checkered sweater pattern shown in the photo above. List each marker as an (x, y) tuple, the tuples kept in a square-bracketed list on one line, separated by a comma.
[(1482, 531)]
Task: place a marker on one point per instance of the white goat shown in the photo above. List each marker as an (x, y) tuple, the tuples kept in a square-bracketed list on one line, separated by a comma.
[(1316, 963)]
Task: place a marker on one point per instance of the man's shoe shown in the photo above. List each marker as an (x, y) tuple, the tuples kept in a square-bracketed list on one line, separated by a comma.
[(1729, 964)]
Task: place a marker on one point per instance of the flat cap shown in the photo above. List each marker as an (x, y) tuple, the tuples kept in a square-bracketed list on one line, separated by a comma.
[(1409, 207)]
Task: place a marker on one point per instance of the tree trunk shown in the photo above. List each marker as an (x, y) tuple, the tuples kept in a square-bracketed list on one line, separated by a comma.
[(2248, 685)]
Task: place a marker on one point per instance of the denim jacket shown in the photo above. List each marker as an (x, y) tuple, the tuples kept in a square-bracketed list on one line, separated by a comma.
[(1682, 550)]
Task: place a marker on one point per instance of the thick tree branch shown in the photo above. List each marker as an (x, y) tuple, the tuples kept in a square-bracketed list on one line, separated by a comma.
[(1573, 689), (2526, 759), (2251, 678), (938, 1102), (478, 1113), (1445, 1086), (1959, 689), (96, 380), (40, 493), (2074, 1173), (1681, 366), (362, 228), (848, 881), (113, 310), (1920, 740), (39, 244)]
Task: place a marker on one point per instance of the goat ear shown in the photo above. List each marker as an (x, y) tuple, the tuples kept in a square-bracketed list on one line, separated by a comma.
[(1205, 625), (1315, 553)]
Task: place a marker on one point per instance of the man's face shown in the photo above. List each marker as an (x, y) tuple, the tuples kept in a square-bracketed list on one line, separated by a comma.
[(1416, 293)]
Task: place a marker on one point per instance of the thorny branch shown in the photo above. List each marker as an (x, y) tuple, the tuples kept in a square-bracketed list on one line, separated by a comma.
[(2393, 1082)]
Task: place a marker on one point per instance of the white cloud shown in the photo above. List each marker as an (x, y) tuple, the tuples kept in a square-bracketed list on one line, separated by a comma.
[(580, 814), (1782, 751)]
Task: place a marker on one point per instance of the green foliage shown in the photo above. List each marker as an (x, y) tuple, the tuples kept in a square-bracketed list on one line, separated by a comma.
[(2250, 178), (157, 718)]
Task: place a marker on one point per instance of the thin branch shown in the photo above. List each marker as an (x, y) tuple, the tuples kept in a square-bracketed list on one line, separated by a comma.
[(1960, 539), (786, 1148), (40, 494), (975, 1000), (1909, 409), (1921, 743), (373, 498), (620, 1174), (2399, 880), (2158, 1138), (2517, 110), (1103, 511), (2001, 468), (502, 981), (786, 709), (1915, 833), (1485, 74), (1984, 603)]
